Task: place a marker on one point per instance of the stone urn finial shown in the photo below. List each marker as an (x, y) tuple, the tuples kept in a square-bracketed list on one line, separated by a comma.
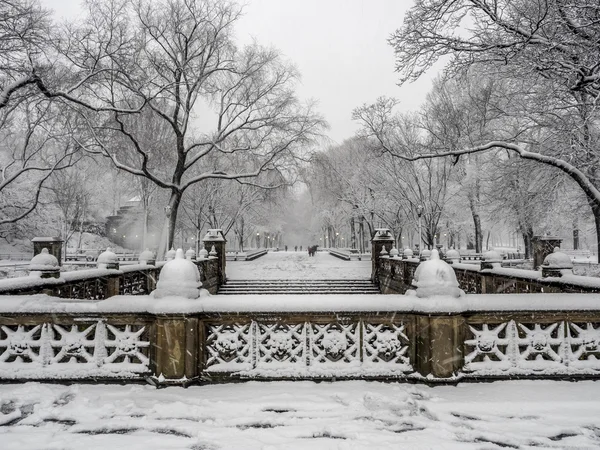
[(452, 256), (147, 258), (213, 251), (407, 253), (190, 254), (179, 277), (435, 277), (108, 260), (557, 264), (394, 252), (45, 264), (491, 260), (170, 256), (203, 254)]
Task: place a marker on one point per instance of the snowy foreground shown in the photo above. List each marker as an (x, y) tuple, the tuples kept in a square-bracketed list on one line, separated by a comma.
[(299, 415)]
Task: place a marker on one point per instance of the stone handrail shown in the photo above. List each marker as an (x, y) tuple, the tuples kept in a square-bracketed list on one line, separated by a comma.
[(99, 284), (395, 276), (371, 337)]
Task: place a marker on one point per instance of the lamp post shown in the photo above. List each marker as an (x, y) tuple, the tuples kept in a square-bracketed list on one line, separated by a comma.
[(337, 241), (419, 214), (168, 214), (257, 241)]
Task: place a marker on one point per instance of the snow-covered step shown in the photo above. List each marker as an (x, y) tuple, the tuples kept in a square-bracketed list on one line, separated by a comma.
[(282, 287)]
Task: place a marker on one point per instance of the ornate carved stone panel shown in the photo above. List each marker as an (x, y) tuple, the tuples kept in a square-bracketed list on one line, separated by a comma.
[(281, 345), (230, 346)]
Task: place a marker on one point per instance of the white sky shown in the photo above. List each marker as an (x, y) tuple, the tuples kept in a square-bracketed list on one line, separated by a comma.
[(339, 46)]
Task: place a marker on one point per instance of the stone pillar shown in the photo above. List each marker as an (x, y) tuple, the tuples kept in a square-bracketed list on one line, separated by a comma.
[(542, 247), (383, 239), (439, 344), (170, 348), (53, 244), (216, 238)]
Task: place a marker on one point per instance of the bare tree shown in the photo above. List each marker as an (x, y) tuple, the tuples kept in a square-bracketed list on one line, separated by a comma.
[(177, 58), (546, 51)]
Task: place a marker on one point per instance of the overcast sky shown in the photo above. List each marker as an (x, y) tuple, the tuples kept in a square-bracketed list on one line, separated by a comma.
[(339, 46)]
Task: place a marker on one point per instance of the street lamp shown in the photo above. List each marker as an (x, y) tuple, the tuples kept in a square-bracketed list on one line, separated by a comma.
[(419, 214), (257, 241), (168, 214), (337, 242)]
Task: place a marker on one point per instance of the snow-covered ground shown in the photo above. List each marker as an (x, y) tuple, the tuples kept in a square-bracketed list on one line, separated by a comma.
[(298, 265), (302, 415)]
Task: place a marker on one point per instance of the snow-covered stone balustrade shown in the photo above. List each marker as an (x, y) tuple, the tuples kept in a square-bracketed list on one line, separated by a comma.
[(220, 338), (395, 274), (102, 283)]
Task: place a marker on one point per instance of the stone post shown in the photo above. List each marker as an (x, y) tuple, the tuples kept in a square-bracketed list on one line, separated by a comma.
[(383, 239), (542, 247), (170, 347), (53, 244), (439, 342), (216, 238)]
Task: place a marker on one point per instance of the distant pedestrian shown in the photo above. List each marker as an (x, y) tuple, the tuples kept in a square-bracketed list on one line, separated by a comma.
[(300, 248), (286, 248), (296, 248)]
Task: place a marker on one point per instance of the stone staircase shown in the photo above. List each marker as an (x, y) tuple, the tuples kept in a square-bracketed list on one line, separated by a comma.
[(278, 287)]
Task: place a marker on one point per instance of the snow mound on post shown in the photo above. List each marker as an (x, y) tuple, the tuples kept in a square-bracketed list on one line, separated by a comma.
[(43, 261), (178, 278), (435, 277)]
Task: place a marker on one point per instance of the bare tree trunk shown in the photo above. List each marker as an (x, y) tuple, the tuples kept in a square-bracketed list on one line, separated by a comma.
[(596, 212), (528, 242), (352, 233), (477, 224), (174, 202)]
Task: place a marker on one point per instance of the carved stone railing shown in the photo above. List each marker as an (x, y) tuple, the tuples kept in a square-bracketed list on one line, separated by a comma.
[(395, 276), (99, 284), (218, 338)]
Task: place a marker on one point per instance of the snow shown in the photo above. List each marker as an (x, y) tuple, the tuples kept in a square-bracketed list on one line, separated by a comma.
[(41, 303), (178, 278), (300, 415), (43, 261), (435, 277), (298, 265)]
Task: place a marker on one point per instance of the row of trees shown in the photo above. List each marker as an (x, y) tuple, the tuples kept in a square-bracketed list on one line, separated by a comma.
[(522, 80), (157, 88)]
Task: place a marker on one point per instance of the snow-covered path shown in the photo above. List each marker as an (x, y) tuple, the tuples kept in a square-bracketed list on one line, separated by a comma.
[(298, 265), (301, 415)]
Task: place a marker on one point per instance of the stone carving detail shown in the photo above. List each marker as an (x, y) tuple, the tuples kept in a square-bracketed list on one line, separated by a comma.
[(124, 344), (230, 347), (539, 345), (386, 344), (584, 345), (281, 343), (530, 348), (305, 349), (334, 343), (489, 347), (20, 344), (34, 351)]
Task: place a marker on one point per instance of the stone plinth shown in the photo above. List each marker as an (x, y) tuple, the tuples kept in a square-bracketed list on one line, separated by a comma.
[(53, 244), (215, 238), (542, 247), (383, 239)]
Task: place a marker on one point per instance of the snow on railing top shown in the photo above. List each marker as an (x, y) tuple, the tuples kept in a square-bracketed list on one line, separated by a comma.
[(41, 303)]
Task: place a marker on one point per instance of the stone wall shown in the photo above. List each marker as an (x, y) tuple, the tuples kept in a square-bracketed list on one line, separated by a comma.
[(216, 339)]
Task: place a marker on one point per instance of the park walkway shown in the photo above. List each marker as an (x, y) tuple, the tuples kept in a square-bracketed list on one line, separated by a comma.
[(297, 273), (298, 266)]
